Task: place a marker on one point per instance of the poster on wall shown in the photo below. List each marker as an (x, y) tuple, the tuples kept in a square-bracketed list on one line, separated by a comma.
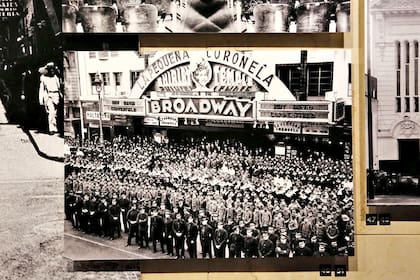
[(186, 16), (393, 116), (215, 193)]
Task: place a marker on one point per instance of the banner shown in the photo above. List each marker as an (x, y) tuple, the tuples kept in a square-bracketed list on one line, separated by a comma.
[(168, 121)]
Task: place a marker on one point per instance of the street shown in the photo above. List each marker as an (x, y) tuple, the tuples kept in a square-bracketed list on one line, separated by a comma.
[(31, 210)]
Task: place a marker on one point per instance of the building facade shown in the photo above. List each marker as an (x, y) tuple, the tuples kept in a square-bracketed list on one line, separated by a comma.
[(289, 92), (394, 49)]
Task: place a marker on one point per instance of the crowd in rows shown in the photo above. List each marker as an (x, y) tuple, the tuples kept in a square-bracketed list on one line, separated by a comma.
[(220, 198)]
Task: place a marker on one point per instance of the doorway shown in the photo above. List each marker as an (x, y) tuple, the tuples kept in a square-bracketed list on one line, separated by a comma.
[(409, 156)]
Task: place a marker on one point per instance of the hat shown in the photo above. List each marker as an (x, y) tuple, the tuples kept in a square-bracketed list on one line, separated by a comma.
[(50, 65)]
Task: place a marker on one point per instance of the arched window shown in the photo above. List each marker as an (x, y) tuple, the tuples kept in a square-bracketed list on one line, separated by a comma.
[(416, 76)]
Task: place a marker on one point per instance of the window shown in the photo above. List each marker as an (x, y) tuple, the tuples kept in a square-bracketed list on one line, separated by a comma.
[(117, 77), (407, 104), (398, 71), (134, 76), (319, 78), (407, 68), (92, 78), (105, 79), (290, 75), (76, 112)]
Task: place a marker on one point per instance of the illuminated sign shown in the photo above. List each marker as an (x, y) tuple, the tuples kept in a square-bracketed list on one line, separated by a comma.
[(287, 127), (94, 115), (212, 70), (151, 121), (298, 111), (225, 123), (9, 8), (168, 121), (205, 108), (134, 107)]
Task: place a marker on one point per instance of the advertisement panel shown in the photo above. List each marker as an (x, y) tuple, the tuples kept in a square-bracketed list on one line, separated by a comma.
[(134, 107)]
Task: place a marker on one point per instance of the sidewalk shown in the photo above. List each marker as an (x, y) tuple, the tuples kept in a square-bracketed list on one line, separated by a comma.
[(47, 146)]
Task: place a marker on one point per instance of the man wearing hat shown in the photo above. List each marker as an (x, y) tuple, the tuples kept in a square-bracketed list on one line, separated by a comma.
[(206, 232), (302, 249), (220, 238), (192, 233), (114, 213), (156, 230), (321, 252), (236, 243), (49, 95), (124, 204), (266, 247), (142, 219), (283, 246), (250, 244), (179, 231), (132, 223), (103, 217), (167, 233)]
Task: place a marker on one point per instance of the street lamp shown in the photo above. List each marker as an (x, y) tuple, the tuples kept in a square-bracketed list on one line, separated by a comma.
[(98, 86)]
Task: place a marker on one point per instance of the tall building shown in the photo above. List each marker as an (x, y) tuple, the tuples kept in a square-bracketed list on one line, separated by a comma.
[(394, 47)]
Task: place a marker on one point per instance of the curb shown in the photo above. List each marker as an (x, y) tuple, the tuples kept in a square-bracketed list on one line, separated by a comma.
[(39, 152)]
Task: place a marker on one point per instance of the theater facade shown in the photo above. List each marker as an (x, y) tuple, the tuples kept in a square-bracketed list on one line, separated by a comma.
[(394, 64), (289, 93)]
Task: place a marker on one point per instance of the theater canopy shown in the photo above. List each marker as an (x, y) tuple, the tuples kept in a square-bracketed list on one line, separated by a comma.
[(211, 71)]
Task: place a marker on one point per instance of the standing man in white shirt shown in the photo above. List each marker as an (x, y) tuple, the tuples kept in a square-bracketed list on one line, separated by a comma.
[(49, 95)]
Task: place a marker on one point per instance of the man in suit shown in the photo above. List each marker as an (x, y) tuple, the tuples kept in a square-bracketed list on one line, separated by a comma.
[(114, 215), (266, 246), (236, 243), (167, 233), (132, 223), (142, 219)]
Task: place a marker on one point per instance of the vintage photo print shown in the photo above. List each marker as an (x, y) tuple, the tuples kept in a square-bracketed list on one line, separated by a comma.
[(393, 116), (180, 16), (210, 154)]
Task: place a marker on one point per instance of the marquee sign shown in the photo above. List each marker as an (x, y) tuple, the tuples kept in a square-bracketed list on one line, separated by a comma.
[(203, 107), (298, 111), (134, 107), (201, 73)]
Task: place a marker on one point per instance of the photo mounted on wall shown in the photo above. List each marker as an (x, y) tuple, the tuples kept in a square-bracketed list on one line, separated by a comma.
[(229, 16), (393, 112), (216, 154)]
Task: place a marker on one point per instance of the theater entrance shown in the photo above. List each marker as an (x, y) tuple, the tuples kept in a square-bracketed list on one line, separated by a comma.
[(409, 156)]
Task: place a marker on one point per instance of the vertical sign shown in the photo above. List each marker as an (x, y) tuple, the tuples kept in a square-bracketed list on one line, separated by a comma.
[(9, 8)]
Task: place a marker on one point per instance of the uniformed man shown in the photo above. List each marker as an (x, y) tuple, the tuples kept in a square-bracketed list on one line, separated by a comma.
[(93, 216), (103, 217), (321, 252), (302, 249), (236, 243), (272, 235), (250, 245), (265, 219), (115, 222), (283, 246), (266, 247), (313, 244), (142, 220), (124, 204), (133, 228), (156, 230), (84, 214), (167, 233), (220, 238), (192, 233), (179, 231), (247, 216), (206, 232)]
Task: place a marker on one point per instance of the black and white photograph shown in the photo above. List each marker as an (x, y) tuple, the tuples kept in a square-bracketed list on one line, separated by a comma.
[(31, 140), (393, 116), (208, 154), (191, 16)]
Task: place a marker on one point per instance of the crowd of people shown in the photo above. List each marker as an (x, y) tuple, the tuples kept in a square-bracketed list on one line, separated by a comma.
[(213, 198)]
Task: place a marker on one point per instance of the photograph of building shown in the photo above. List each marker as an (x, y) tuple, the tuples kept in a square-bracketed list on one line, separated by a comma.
[(255, 16), (208, 154), (393, 102)]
